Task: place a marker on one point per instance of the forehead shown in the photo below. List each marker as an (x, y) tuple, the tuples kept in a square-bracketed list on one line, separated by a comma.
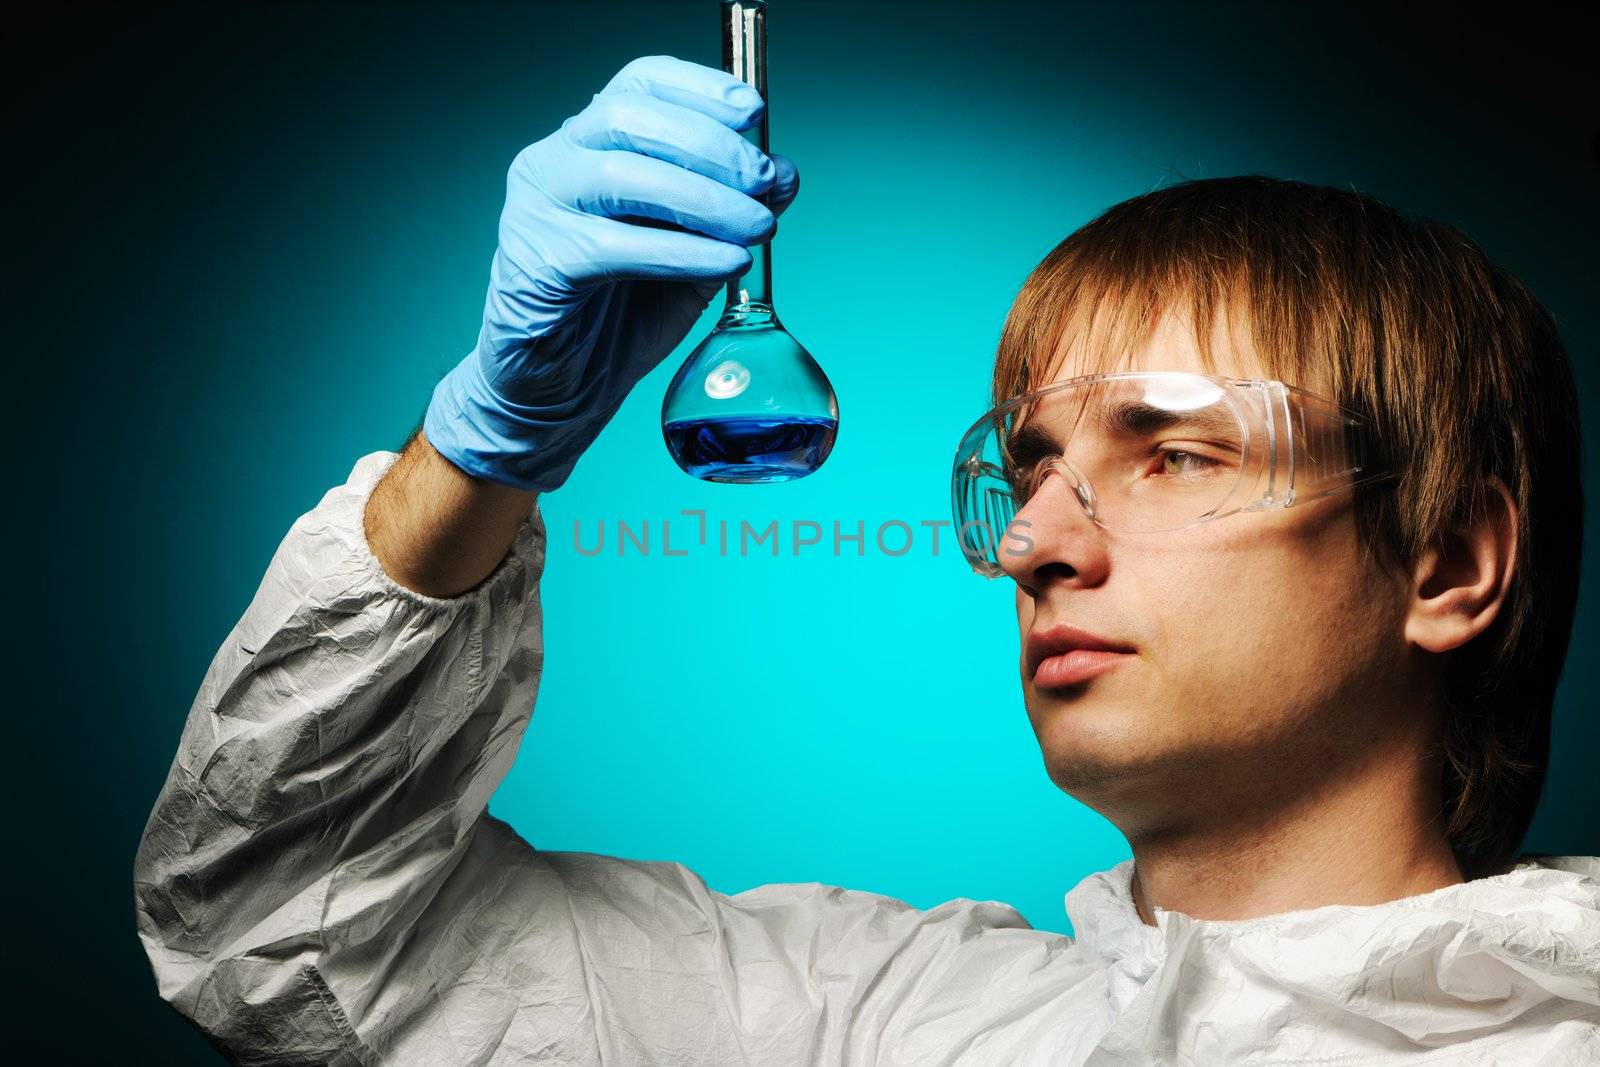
[(1171, 343)]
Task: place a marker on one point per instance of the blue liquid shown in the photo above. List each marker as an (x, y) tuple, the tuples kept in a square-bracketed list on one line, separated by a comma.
[(751, 449)]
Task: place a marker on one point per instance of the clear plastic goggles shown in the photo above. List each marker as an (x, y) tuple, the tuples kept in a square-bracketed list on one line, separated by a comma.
[(1147, 452)]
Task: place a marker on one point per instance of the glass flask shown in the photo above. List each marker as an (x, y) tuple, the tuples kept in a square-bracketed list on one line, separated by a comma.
[(749, 404)]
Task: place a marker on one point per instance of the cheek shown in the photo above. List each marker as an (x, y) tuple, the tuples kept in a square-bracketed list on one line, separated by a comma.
[(1211, 619), (1261, 626)]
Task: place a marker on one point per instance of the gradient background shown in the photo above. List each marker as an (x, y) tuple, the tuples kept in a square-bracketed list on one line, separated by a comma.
[(251, 239)]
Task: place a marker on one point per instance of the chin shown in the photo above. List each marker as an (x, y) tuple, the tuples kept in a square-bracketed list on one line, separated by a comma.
[(1085, 741), (1107, 753)]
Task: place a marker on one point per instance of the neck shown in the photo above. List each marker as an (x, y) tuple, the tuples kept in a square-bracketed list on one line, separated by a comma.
[(1368, 837)]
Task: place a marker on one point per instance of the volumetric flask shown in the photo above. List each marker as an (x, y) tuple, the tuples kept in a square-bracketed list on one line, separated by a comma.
[(750, 404)]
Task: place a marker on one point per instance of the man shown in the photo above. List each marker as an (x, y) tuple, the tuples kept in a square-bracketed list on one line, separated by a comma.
[(1293, 606)]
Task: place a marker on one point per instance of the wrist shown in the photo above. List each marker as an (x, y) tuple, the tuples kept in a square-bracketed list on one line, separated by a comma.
[(517, 446), (437, 530)]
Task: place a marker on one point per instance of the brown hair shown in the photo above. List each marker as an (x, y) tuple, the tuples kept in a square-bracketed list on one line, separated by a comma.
[(1406, 321)]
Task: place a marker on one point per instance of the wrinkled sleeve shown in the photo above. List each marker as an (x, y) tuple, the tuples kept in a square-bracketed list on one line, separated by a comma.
[(319, 881)]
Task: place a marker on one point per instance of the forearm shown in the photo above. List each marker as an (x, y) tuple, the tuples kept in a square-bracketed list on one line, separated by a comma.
[(436, 529), (348, 733)]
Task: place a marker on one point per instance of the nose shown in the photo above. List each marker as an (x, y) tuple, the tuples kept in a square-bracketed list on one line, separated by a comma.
[(1052, 540)]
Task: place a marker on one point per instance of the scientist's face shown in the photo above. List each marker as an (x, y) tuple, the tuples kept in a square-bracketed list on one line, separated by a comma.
[(1260, 652)]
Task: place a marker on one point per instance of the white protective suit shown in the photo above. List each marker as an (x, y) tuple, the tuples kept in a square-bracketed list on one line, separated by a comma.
[(320, 883)]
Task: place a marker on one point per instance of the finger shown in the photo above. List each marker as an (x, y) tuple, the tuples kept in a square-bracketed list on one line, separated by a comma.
[(620, 185), (634, 122), (713, 93), (785, 184), (619, 251)]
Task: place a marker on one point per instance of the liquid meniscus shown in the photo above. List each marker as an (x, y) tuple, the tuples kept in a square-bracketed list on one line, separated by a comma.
[(750, 448)]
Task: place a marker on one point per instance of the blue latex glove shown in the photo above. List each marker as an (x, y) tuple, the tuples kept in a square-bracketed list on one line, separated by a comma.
[(584, 300)]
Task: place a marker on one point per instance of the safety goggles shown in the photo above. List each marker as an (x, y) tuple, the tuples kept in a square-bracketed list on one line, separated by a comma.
[(1149, 452)]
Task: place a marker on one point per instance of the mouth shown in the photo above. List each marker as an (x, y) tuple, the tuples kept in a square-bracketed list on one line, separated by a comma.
[(1064, 656)]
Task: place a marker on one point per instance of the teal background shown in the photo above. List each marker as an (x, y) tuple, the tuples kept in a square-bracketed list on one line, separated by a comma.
[(252, 238)]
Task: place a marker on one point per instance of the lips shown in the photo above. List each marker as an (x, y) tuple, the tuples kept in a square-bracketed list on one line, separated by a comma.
[(1065, 655)]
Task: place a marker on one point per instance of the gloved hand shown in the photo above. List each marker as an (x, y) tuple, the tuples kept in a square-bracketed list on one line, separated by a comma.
[(586, 296)]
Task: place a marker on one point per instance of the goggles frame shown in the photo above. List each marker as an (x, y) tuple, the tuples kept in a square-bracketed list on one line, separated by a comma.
[(1285, 433)]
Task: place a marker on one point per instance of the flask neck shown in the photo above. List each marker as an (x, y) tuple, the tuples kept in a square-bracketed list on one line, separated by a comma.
[(744, 55), (753, 291), (739, 312)]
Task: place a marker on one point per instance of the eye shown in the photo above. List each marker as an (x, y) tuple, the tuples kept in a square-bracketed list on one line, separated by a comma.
[(1176, 463)]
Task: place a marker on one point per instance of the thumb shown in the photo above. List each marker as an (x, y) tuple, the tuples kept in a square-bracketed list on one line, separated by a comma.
[(706, 290), (785, 186)]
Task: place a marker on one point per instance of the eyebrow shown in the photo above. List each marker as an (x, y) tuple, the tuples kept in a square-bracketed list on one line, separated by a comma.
[(1138, 418), (1031, 443)]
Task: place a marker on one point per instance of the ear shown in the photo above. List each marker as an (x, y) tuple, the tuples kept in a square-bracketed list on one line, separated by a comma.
[(1458, 586)]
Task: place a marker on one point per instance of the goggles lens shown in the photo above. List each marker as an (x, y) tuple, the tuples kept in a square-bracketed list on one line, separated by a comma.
[(1142, 452)]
